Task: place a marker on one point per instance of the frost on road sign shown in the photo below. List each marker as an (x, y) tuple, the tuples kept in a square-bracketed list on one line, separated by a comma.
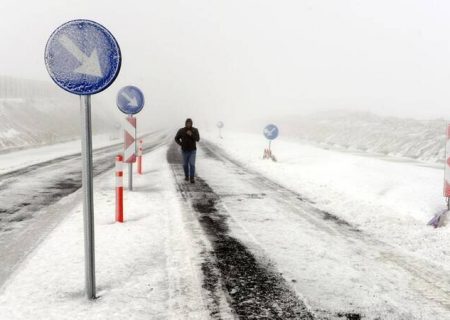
[(82, 57), (130, 100), (271, 131)]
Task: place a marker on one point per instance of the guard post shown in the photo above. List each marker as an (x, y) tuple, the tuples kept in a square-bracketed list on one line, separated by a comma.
[(139, 159), (271, 133), (119, 188), (130, 100), (220, 126)]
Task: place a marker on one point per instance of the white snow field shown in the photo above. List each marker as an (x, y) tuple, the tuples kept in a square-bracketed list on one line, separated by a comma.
[(347, 232), (394, 267), (145, 267), (367, 132), (392, 198)]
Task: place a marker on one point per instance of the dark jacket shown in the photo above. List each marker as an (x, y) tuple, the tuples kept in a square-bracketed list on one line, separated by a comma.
[(186, 141)]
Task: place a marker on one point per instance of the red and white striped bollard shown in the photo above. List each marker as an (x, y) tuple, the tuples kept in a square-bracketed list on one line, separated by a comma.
[(447, 165), (119, 188), (139, 159)]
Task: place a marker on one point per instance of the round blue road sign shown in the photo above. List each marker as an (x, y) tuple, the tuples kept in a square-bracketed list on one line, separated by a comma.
[(130, 100), (82, 57), (220, 124), (271, 131)]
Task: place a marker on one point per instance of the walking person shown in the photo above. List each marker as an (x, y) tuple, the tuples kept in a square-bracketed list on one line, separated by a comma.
[(187, 137)]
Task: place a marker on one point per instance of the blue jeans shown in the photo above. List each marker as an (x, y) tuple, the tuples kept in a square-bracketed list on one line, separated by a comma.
[(189, 163)]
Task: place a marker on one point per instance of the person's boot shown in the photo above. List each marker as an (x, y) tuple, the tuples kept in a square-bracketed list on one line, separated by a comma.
[(186, 178), (192, 180)]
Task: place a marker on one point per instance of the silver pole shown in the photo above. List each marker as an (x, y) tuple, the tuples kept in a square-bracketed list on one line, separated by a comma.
[(88, 203), (130, 176), (130, 167)]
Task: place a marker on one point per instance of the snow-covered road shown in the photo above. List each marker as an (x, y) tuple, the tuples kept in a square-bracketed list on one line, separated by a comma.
[(146, 268), (246, 241), (29, 198), (337, 268), (235, 281)]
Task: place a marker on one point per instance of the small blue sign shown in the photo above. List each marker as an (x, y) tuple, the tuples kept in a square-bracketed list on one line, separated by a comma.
[(82, 57), (271, 131), (220, 124), (130, 100)]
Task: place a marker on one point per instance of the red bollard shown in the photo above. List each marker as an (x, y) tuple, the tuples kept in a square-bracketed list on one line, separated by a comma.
[(139, 158), (119, 188)]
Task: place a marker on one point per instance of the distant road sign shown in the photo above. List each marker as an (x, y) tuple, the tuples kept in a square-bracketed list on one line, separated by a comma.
[(82, 57), (220, 124), (271, 131), (130, 100)]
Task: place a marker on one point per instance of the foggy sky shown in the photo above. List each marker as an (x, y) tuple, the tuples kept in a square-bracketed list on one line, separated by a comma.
[(240, 59)]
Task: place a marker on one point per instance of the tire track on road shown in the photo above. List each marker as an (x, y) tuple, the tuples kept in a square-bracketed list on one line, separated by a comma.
[(255, 290), (425, 276)]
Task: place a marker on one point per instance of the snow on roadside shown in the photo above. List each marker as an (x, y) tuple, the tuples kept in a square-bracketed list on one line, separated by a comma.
[(146, 267), (422, 140), (31, 121), (23, 158), (391, 200)]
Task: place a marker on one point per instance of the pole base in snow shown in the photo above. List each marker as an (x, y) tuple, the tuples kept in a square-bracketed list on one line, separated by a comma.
[(269, 155), (439, 219)]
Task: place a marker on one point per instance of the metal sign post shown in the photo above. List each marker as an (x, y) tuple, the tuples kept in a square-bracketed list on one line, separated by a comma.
[(83, 58), (220, 126), (130, 176), (270, 132), (88, 200), (130, 161), (130, 100)]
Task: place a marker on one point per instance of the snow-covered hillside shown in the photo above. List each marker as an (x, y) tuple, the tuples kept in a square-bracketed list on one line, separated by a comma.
[(36, 113), (423, 140)]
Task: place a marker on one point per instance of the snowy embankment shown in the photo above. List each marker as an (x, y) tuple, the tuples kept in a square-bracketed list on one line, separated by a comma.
[(391, 200), (422, 140), (35, 113), (30, 123), (144, 266)]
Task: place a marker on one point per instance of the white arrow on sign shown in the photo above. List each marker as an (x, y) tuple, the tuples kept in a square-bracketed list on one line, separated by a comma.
[(89, 65), (270, 132), (132, 102)]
